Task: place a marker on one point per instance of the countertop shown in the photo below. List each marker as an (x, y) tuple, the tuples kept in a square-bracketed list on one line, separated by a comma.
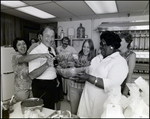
[(18, 113)]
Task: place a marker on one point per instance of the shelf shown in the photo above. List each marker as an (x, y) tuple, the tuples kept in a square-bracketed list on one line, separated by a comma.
[(142, 54), (74, 39), (144, 76), (80, 38)]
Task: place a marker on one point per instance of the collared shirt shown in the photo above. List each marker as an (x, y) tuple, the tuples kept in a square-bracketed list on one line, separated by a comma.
[(113, 70), (32, 47), (49, 73), (67, 51)]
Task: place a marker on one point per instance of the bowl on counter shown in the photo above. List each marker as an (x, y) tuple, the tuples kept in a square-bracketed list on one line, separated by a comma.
[(62, 114), (70, 72), (32, 104)]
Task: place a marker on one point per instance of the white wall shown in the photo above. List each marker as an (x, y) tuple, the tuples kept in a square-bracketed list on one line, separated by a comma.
[(91, 24)]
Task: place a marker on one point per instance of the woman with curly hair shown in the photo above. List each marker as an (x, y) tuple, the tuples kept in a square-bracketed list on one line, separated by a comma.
[(107, 70), (22, 82), (130, 57)]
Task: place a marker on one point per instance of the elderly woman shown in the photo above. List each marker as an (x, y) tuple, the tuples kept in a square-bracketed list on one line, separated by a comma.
[(107, 70), (130, 57), (22, 82)]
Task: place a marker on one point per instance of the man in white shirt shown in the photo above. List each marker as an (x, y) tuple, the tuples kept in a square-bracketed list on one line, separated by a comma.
[(42, 70)]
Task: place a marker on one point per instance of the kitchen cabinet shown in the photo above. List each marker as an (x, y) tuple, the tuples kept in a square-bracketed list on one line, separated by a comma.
[(140, 46), (142, 65), (12, 27)]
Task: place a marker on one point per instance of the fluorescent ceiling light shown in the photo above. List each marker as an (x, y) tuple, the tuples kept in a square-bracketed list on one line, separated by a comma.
[(35, 12), (13, 3), (101, 7)]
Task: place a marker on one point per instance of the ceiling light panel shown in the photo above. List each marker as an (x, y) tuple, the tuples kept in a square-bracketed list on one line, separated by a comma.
[(35, 12), (13, 4), (101, 7)]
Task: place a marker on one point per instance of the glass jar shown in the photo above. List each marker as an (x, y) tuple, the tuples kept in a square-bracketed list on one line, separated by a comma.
[(80, 31), (62, 34)]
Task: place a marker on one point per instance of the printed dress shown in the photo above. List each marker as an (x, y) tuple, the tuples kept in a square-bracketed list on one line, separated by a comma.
[(21, 79), (126, 55)]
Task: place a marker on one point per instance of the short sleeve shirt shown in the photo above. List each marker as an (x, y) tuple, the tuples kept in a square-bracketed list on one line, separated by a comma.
[(49, 73), (67, 51)]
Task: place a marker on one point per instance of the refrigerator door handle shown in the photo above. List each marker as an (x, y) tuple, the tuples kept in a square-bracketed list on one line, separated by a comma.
[(8, 72)]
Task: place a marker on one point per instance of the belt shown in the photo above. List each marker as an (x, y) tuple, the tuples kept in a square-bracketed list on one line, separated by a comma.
[(44, 80)]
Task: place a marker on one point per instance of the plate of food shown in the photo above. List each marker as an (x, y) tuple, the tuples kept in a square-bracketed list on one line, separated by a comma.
[(62, 114)]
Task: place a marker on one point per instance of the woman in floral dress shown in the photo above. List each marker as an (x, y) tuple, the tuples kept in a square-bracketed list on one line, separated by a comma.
[(22, 83), (130, 57)]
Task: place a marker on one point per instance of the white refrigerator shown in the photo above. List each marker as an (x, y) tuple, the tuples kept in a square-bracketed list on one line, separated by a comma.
[(7, 74)]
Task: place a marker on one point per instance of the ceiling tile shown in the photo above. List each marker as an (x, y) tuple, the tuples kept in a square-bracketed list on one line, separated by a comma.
[(124, 6), (74, 18), (35, 2), (48, 20), (54, 9), (111, 15), (124, 14), (78, 10), (4, 7), (83, 17), (76, 7)]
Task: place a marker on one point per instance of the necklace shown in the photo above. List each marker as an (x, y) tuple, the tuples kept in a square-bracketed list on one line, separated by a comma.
[(126, 54)]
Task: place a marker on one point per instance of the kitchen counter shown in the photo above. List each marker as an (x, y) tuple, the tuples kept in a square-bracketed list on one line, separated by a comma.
[(18, 113)]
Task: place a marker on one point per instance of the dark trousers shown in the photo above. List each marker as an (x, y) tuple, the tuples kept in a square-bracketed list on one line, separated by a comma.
[(39, 87)]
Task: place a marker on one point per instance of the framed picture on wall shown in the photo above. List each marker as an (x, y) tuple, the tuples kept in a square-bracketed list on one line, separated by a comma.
[(32, 35), (28, 32)]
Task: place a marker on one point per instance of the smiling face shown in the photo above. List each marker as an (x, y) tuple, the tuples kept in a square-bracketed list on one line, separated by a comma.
[(86, 48), (65, 43), (48, 37), (21, 47), (105, 49)]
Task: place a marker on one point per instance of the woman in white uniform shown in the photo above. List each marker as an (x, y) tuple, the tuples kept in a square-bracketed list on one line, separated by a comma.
[(107, 70)]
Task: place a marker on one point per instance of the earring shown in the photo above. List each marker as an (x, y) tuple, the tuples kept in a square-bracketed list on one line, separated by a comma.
[(111, 48)]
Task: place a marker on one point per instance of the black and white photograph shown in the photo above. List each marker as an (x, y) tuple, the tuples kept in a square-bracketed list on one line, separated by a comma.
[(74, 59)]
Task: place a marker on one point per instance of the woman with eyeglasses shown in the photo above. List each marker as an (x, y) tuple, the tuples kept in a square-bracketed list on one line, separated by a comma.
[(107, 70)]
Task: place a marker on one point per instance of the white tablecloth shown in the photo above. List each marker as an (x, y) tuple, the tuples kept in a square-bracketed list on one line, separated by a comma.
[(18, 113)]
